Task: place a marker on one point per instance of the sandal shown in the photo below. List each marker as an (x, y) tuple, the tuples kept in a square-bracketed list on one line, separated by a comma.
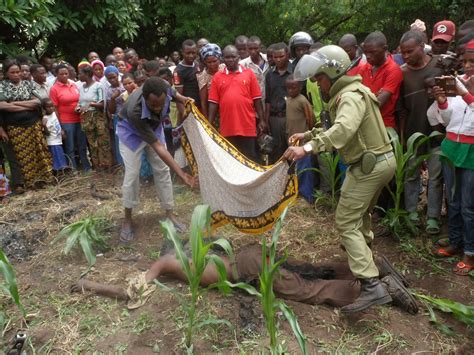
[(463, 269), (443, 242), (126, 235), (447, 252), (432, 226)]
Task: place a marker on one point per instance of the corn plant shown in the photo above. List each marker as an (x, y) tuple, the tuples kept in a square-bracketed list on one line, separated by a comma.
[(9, 286), (200, 226), (266, 295), (408, 162), (331, 175), (460, 311), (87, 233)]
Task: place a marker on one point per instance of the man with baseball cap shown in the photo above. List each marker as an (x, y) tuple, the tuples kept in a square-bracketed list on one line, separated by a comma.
[(443, 34)]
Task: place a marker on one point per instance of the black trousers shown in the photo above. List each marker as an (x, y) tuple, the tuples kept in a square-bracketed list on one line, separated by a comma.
[(17, 176), (246, 145)]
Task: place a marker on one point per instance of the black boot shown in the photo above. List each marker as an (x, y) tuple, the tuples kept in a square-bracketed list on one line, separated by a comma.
[(371, 293)]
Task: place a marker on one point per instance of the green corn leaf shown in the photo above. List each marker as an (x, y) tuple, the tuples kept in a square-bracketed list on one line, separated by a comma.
[(87, 249), (246, 287), (222, 275), (292, 319), (71, 241), (10, 280), (460, 311), (170, 233)]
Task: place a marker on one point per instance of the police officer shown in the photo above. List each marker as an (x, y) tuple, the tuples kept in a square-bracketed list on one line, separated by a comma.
[(358, 133)]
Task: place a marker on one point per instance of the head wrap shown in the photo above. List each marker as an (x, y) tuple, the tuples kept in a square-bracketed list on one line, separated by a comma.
[(210, 50), (111, 69), (83, 63), (97, 61), (418, 25)]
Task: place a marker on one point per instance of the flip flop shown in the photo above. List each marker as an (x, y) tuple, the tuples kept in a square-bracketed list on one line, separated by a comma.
[(462, 269), (444, 253), (126, 235), (432, 226)]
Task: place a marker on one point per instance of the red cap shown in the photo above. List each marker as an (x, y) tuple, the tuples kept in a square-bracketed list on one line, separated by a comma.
[(469, 46), (444, 30)]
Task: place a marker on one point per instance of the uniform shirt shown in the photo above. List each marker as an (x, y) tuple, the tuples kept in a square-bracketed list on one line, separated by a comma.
[(235, 93), (357, 124), (65, 97), (388, 77), (184, 76), (54, 129), (415, 100), (295, 114), (259, 71), (275, 88)]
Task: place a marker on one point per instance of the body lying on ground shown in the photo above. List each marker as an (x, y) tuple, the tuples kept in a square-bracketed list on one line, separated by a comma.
[(330, 283)]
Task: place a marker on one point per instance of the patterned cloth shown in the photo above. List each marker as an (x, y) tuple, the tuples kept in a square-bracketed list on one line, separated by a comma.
[(32, 153), (239, 191), (95, 127)]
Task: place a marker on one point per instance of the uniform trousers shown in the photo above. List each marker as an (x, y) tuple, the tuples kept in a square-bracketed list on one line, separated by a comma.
[(359, 194)]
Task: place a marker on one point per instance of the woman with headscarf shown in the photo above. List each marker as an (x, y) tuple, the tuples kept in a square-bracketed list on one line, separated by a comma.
[(114, 99), (93, 120), (20, 126), (211, 56), (98, 71)]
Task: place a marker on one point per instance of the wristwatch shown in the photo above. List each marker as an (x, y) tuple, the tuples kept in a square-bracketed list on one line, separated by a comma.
[(308, 148)]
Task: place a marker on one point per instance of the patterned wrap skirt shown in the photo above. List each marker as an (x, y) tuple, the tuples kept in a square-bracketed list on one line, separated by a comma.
[(32, 154), (94, 124)]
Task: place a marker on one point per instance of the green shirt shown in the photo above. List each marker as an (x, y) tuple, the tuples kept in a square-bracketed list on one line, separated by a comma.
[(461, 155)]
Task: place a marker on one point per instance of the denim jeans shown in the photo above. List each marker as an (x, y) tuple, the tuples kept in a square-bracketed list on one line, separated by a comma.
[(305, 179), (75, 141), (435, 186), (460, 193)]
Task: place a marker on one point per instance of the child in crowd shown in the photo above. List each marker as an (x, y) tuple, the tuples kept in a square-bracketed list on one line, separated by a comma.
[(54, 136), (4, 182), (299, 119)]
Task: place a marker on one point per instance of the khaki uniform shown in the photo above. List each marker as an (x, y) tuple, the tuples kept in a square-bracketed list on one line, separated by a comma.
[(357, 126)]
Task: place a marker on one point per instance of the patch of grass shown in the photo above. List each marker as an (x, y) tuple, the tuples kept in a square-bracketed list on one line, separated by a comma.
[(142, 323)]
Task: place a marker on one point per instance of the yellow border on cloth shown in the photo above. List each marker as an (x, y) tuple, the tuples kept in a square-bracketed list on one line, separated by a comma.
[(248, 225)]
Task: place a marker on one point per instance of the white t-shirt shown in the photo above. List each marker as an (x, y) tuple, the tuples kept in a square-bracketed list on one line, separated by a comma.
[(54, 129), (93, 93)]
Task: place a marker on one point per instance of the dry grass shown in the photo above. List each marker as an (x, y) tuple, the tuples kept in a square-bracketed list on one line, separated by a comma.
[(60, 322)]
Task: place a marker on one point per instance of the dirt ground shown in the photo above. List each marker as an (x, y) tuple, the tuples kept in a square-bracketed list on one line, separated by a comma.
[(61, 322)]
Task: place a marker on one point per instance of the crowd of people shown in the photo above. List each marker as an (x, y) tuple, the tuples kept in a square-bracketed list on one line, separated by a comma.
[(57, 118)]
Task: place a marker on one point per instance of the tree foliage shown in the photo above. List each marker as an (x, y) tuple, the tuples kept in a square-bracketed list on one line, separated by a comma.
[(70, 28)]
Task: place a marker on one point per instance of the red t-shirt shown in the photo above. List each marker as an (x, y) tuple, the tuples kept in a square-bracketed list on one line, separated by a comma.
[(65, 97), (356, 70), (389, 78), (234, 92)]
